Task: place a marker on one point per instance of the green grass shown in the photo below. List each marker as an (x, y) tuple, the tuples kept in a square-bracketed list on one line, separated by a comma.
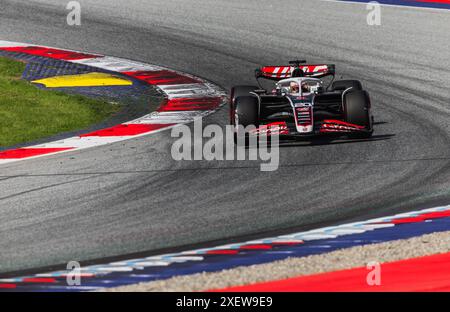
[(28, 113)]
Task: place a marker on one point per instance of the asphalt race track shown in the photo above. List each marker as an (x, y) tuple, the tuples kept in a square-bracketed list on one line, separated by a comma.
[(131, 197)]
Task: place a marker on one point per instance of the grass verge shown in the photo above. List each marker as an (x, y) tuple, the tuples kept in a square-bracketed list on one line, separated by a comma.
[(28, 113)]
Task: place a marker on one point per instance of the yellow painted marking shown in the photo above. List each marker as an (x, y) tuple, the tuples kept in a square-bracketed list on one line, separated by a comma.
[(84, 80)]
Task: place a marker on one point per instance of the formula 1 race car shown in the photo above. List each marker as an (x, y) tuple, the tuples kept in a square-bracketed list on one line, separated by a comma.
[(301, 105)]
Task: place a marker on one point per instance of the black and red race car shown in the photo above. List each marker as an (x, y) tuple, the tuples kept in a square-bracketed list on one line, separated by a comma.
[(301, 105)]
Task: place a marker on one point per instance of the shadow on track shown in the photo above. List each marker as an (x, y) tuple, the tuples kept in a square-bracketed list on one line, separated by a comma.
[(332, 141)]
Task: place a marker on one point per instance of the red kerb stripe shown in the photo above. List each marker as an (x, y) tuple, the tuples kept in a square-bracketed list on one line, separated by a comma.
[(126, 130), (256, 247), (191, 104), (30, 152), (222, 252), (39, 280), (162, 77), (51, 53)]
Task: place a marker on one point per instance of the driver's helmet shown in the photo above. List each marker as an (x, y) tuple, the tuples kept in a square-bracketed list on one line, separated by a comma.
[(294, 88), (306, 87)]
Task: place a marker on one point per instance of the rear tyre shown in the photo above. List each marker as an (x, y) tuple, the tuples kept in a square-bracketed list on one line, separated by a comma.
[(246, 113), (357, 112), (342, 85)]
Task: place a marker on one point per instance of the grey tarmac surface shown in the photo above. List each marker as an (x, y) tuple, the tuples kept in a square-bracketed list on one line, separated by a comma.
[(132, 197)]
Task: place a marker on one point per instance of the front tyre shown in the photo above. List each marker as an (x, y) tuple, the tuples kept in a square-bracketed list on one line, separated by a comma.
[(246, 113), (237, 92), (357, 111)]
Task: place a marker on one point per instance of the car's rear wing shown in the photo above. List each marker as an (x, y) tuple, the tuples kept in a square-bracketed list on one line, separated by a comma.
[(283, 72)]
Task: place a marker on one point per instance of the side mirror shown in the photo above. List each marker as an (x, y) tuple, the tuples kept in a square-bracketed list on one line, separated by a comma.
[(317, 89)]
